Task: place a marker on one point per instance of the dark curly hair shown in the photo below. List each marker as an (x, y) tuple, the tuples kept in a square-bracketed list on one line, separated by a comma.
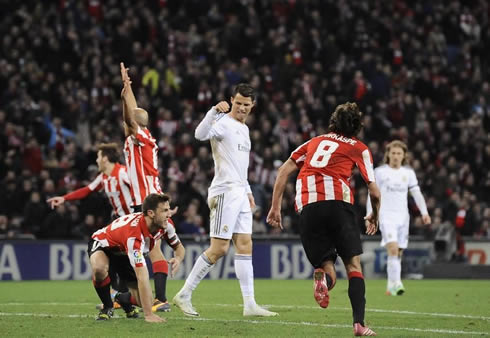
[(346, 120)]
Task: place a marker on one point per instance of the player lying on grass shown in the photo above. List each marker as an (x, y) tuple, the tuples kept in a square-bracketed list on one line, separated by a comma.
[(122, 244)]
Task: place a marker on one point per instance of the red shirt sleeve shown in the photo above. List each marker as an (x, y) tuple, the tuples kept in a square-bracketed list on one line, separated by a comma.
[(364, 161), (299, 155), (77, 194)]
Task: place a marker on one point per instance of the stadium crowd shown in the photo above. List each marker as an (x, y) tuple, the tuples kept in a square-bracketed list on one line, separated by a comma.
[(419, 70)]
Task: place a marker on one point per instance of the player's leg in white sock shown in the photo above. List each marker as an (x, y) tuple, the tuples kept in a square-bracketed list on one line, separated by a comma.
[(245, 274), (393, 270), (200, 269)]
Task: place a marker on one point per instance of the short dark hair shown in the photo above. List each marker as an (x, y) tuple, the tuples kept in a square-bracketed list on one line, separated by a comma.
[(152, 201), (245, 90), (346, 120), (110, 150)]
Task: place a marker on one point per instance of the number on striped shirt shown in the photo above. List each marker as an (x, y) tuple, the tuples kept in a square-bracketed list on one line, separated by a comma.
[(121, 221), (323, 153)]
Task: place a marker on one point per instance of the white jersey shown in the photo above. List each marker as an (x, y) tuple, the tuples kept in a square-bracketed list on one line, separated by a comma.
[(394, 185), (231, 145)]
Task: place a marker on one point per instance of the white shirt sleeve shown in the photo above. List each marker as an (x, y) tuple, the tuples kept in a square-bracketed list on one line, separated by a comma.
[(208, 127), (414, 189), (369, 207)]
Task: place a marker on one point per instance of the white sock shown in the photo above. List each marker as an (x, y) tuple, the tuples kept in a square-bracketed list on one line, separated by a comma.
[(200, 269), (245, 273), (393, 270)]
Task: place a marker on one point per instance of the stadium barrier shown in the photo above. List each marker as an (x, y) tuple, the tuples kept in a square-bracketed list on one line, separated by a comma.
[(278, 258)]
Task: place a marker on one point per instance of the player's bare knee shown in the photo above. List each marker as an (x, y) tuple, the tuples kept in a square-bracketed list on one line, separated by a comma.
[(100, 272), (243, 248)]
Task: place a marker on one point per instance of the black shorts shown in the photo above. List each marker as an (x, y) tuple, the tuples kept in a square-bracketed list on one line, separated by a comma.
[(328, 229), (118, 261)]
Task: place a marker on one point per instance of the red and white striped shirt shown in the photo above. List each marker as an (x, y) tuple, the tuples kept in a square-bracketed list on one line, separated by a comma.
[(140, 152), (326, 164), (129, 234), (116, 187)]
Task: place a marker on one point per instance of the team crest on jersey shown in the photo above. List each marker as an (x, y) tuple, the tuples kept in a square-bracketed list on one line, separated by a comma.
[(225, 228), (243, 147), (404, 178)]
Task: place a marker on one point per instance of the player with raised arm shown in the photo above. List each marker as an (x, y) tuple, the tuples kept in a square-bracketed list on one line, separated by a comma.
[(324, 201), (230, 199), (140, 152), (123, 244), (396, 180)]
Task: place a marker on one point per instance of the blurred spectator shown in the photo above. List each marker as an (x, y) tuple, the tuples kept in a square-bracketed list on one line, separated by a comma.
[(35, 212), (57, 225), (258, 222), (192, 223)]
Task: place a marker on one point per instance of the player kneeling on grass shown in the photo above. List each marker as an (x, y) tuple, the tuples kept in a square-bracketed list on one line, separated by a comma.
[(122, 244)]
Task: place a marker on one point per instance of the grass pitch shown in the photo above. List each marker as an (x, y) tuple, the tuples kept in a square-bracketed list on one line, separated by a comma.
[(430, 308)]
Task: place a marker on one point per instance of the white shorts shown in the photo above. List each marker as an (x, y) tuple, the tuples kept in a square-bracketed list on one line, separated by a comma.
[(394, 231), (230, 214)]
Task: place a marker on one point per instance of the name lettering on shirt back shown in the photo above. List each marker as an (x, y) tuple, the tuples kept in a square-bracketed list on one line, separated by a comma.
[(341, 138)]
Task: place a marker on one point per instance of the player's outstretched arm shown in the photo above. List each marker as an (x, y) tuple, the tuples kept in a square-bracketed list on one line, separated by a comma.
[(373, 218), (145, 294), (55, 201), (274, 215), (72, 196), (179, 254)]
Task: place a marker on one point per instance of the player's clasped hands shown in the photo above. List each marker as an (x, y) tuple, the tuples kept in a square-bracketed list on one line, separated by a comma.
[(222, 107)]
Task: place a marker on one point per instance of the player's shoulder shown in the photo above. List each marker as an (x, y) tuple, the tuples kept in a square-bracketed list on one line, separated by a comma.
[(382, 167), (408, 169), (222, 118), (170, 227)]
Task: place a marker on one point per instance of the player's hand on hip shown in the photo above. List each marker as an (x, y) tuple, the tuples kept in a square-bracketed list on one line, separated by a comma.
[(222, 107), (55, 201), (426, 219), (175, 264), (274, 218), (153, 318)]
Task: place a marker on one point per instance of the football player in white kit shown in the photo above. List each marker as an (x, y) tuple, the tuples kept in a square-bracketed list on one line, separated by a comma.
[(230, 199), (395, 179)]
